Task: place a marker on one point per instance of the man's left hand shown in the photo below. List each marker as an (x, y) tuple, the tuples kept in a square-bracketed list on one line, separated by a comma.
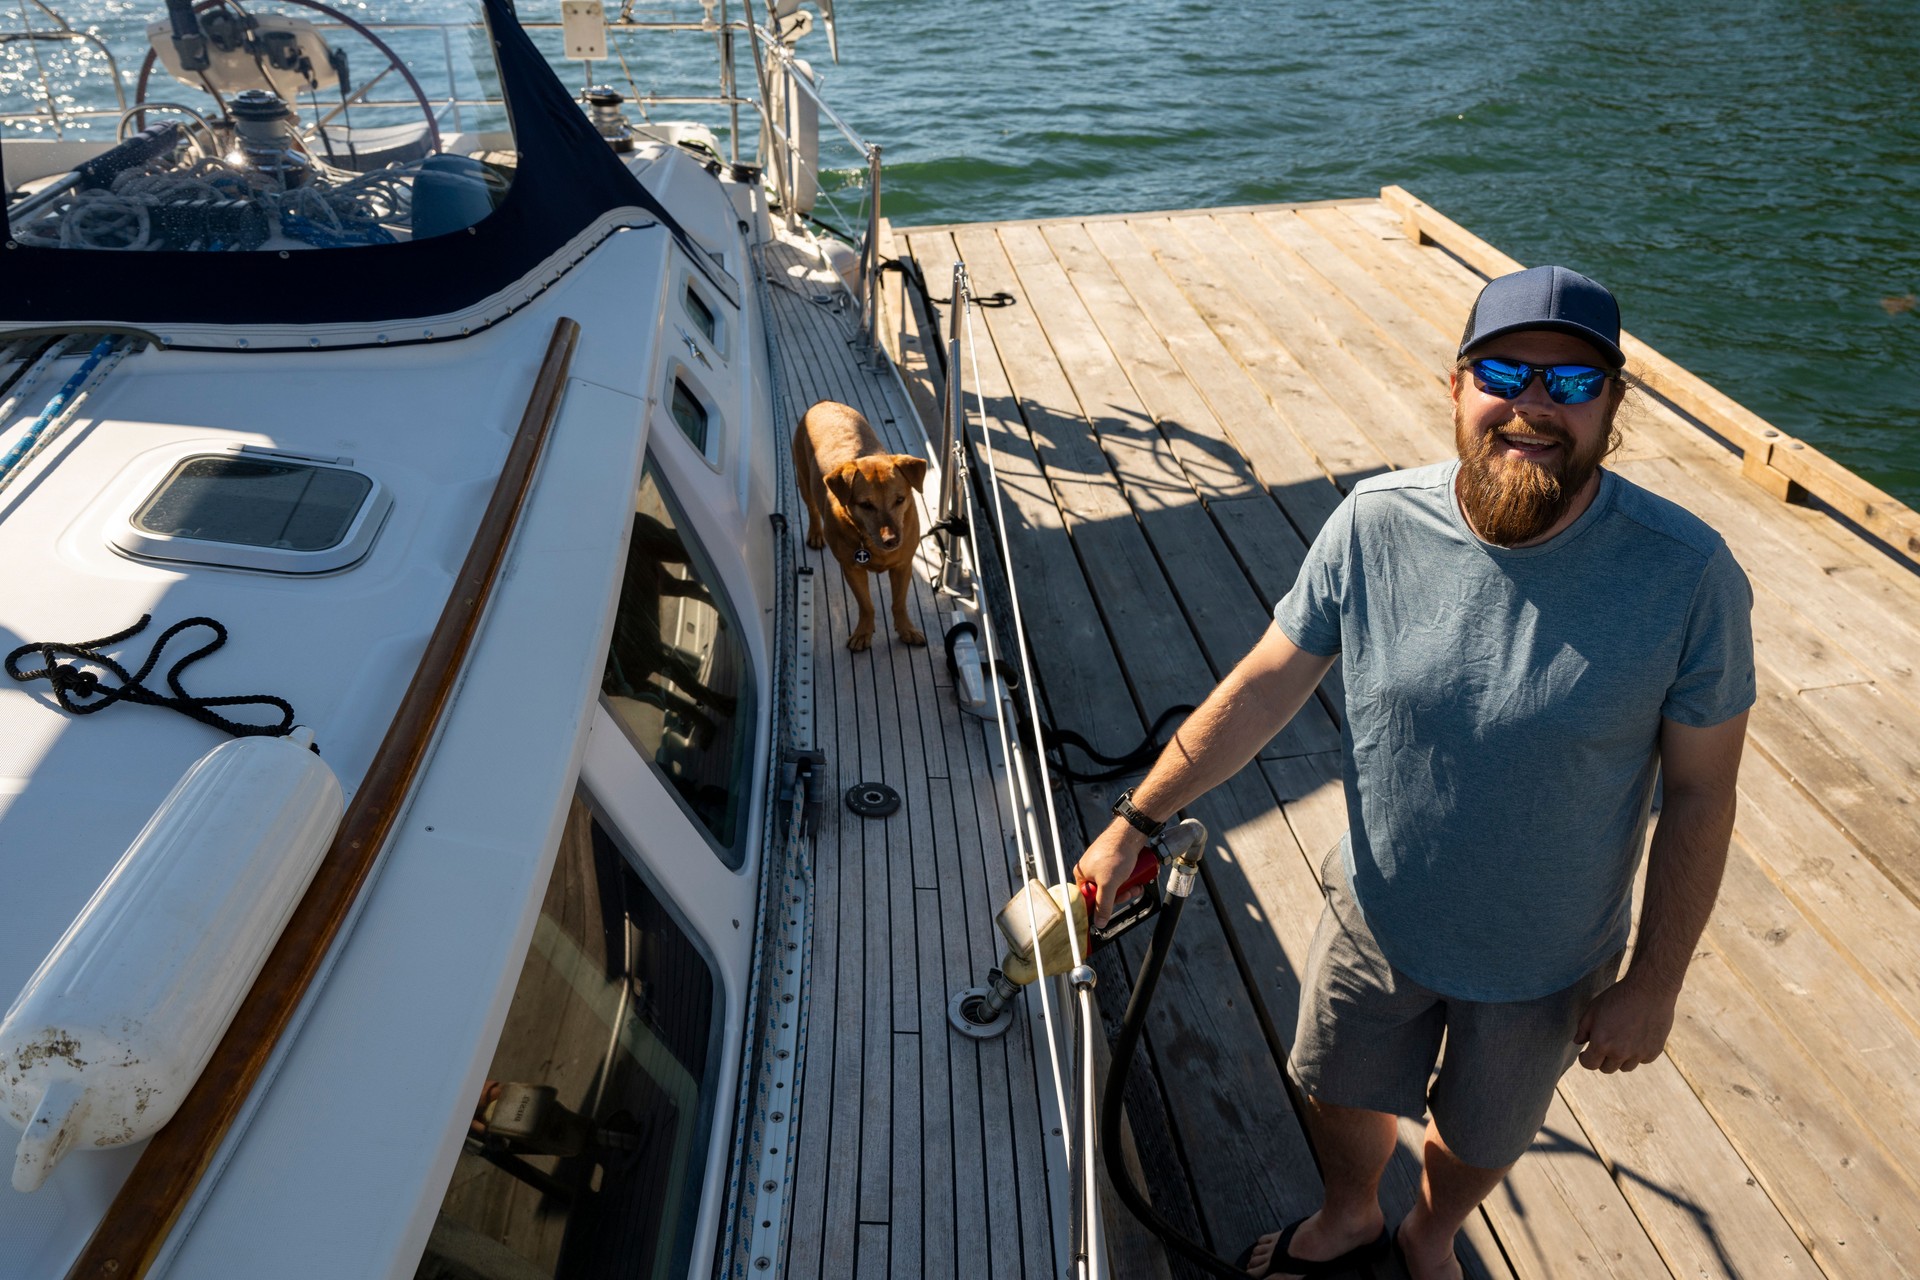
[(1626, 1025)]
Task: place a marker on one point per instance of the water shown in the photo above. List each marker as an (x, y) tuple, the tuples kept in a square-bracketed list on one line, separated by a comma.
[(1744, 177)]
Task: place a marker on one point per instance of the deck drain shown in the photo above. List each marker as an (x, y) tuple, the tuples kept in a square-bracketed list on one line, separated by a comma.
[(872, 799)]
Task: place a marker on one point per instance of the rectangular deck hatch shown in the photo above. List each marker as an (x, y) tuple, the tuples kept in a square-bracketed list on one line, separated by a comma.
[(257, 510)]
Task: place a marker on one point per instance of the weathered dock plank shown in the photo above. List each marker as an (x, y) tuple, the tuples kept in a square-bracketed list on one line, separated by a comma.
[(1177, 402)]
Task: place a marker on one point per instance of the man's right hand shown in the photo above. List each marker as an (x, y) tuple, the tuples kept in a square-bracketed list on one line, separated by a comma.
[(1108, 861)]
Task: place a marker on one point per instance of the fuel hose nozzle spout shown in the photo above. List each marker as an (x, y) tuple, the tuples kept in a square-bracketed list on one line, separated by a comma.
[(1042, 923)]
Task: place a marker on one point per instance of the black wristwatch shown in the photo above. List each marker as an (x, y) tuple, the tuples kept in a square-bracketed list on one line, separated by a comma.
[(1123, 809)]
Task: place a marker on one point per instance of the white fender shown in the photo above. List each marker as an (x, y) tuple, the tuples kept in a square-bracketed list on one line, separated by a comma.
[(119, 1020)]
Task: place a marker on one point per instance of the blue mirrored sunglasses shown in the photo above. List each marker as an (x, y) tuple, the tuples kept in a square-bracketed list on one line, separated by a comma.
[(1566, 383)]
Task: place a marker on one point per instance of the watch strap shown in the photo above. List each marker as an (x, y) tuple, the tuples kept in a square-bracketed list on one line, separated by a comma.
[(1123, 809)]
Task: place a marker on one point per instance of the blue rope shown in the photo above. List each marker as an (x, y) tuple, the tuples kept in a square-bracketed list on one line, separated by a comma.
[(54, 406)]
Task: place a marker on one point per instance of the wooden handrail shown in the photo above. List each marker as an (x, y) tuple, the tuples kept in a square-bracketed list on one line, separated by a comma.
[(136, 1224), (1774, 460)]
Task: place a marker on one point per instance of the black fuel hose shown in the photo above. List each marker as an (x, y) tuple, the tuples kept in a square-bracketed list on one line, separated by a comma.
[(1131, 1027)]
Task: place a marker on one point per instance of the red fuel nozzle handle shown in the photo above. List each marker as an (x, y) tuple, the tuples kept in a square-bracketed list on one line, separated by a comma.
[(1144, 870)]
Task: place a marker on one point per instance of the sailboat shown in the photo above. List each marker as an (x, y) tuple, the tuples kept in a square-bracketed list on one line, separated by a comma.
[(428, 739)]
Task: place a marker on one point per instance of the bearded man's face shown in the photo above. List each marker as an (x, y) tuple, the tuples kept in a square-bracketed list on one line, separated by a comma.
[(1525, 462)]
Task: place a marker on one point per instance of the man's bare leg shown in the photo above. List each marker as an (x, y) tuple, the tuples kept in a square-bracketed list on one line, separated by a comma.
[(1450, 1189), (1354, 1148)]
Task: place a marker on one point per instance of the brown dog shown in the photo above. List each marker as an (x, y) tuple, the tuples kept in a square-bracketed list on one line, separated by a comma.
[(860, 505)]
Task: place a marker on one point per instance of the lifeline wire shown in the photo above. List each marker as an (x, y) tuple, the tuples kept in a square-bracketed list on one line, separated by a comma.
[(1022, 831), (1088, 1118)]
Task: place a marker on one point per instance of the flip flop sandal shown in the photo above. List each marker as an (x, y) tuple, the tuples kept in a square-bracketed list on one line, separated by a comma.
[(1283, 1263)]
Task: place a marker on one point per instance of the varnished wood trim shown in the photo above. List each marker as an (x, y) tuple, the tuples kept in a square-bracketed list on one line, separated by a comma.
[(129, 1237)]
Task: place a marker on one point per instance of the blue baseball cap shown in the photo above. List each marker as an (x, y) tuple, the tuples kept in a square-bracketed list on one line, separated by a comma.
[(1556, 298)]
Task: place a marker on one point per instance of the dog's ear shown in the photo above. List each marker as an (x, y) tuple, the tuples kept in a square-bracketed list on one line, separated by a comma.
[(839, 482), (914, 469)]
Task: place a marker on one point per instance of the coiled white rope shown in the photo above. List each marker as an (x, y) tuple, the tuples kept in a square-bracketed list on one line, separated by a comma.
[(341, 204)]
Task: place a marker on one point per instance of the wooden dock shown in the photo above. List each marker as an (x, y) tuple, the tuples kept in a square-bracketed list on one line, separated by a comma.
[(1177, 401)]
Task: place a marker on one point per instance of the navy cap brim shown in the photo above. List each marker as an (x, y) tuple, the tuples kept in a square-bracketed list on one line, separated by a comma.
[(1614, 355)]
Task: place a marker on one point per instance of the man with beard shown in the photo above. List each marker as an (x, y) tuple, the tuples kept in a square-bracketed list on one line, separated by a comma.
[(1529, 641)]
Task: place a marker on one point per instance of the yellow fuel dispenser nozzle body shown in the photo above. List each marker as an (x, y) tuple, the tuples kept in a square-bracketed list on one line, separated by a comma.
[(1039, 940)]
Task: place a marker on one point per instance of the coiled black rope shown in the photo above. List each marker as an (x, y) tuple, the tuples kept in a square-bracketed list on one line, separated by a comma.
[(910, 268), (81, 691)]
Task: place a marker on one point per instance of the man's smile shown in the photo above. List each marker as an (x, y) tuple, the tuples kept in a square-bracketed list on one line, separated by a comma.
[(1534, 446)]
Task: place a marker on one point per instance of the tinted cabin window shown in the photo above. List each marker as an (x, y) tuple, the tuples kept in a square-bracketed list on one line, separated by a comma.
[(677, 675), (588, 1145), (702, 315), (690, 414)]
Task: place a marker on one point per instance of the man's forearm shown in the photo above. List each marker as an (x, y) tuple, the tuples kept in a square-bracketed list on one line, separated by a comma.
[(1684, 867), (1252, 704), (1241, 715)]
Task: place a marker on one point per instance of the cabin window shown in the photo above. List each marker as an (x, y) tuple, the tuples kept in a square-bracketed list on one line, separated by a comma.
[(702, 315), (690, 414), (587, 1150), (254, 509), (677, 677)]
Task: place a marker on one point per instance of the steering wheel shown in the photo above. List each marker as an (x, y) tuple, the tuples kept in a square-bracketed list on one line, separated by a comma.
[(394, 63)]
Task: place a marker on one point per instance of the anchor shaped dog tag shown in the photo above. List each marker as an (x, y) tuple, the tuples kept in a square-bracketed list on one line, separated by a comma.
[(860, 556)]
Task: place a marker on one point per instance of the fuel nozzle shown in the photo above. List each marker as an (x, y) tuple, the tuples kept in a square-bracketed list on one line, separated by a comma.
[(1035, 925)]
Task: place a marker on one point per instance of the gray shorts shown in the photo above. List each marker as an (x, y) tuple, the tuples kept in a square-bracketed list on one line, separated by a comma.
[(1369, 1036)]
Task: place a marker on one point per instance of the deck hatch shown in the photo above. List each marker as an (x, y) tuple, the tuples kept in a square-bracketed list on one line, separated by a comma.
[(250, 509)]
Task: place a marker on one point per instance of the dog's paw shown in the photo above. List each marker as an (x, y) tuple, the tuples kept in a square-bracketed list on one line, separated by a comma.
[(861, 640), (911, 635), (815, 537)]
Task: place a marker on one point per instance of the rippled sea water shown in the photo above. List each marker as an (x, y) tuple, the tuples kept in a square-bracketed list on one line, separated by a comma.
[(1744, 177)]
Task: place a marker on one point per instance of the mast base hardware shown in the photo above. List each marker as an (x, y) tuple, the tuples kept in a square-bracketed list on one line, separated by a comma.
[(872, 799)]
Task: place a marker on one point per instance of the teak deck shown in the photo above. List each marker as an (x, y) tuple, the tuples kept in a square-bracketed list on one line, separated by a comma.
[(1177, 402)]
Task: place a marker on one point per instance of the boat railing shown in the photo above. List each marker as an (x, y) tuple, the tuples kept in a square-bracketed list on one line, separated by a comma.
[(51, 113), (970, 517), (790, 152), (452, 102)]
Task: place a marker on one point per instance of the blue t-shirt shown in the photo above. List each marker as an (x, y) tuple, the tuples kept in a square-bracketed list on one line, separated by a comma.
[(1503, 716)]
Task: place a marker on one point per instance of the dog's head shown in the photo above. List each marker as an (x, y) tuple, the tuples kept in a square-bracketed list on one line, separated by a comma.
[(877, 494)]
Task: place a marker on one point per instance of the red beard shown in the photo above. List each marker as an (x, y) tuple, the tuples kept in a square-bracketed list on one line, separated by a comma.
[(1510, 501)]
